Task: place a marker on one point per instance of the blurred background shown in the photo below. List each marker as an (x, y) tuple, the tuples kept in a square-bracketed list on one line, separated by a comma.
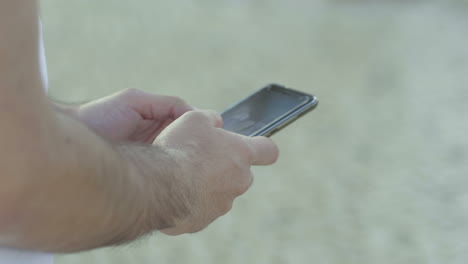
[(378, 173)]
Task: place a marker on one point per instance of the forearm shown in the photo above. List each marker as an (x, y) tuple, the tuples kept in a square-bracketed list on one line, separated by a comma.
[(63, 188), (82, 192), (79, 192)]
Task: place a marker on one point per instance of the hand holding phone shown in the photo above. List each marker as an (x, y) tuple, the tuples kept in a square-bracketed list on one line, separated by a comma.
[(267, 111)]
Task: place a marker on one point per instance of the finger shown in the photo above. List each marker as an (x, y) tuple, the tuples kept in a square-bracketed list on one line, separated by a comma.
[(206, 117), (245, 183), (168, 106), (171, 232), (216, 118), (264, 151), (151, 106)]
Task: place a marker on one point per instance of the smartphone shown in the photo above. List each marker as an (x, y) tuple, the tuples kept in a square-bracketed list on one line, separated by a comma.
[(267, 111)]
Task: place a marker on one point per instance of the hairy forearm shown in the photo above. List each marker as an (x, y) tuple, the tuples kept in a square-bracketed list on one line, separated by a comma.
[(63, 188), (84, 193)]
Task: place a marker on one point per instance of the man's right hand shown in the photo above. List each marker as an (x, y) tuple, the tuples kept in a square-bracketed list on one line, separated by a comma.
[(214, 166), (66, 189)]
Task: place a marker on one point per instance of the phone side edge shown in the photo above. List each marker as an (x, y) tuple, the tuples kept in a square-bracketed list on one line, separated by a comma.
[(289, 119)]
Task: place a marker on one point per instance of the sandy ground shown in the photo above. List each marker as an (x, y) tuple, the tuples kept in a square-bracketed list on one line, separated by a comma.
[(377, 174)]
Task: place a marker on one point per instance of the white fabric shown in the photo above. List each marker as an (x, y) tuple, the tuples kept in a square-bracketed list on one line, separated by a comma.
[(10, 256), (42, 60)]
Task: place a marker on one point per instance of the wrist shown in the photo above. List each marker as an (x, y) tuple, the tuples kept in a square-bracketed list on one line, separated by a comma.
[(162, 190), (68, 109), (137, 202)]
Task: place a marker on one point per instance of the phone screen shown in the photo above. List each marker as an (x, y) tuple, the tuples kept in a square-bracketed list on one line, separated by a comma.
[(260, 110)]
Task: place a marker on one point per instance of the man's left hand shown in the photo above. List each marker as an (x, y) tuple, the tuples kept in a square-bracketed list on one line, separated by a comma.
[(131, 115)]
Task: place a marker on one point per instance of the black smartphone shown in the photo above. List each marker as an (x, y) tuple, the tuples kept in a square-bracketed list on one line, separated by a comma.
[(267, 111)]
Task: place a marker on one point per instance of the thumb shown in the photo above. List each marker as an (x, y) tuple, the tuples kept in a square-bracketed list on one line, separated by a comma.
[(264, 151)]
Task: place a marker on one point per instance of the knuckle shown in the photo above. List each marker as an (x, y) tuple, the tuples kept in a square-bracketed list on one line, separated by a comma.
[(171, 232), (238, 166), (244, 183), (205, 116), (215, 116), (247, 151), (175, 99), (226, 208), (197, 228), (185, 227), (210, 112), (193, 115), (132, 92), (179, 100), (220, 120), (191, 229)]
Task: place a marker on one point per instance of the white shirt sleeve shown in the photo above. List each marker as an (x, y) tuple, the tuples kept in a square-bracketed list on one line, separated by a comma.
[(42, 59), (10, 256)]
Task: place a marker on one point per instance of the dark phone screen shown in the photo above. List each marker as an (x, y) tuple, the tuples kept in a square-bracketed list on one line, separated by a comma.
[(261, 109)]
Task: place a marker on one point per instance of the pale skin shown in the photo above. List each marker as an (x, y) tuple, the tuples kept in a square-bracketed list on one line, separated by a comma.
[(107, 172)]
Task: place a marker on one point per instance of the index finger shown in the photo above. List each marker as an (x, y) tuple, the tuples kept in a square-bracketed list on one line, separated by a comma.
[(169, 106), (264, 150), (205, 118), (152, 106)]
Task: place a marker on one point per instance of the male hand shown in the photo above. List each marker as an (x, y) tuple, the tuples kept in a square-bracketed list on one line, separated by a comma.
[(131, 115), (213, 164), (210, 166)]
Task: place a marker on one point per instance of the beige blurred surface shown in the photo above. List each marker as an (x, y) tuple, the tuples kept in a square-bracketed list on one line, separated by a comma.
[(377, 174)]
